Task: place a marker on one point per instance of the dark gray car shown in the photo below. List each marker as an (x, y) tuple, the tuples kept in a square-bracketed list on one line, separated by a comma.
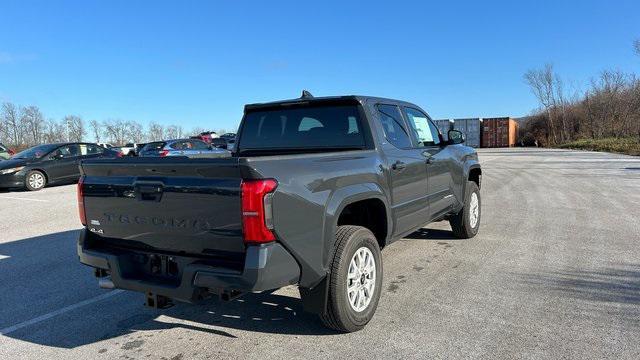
[(314, 189)]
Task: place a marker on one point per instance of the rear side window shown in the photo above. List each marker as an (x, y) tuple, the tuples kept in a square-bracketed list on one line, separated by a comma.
[(198, 145), (90, 149), (179, 145), (303, 127), (154, 146), (394, 128)]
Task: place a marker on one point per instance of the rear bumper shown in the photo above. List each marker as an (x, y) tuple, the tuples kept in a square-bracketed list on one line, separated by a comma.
[(266, 267)]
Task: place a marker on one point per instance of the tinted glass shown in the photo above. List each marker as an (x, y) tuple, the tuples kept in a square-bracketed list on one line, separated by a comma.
[(90, 149), (394, 128), (424, 130), (198, 145), (179, 145), (303, 127), (154, 146), (35, 152), (67, 151)]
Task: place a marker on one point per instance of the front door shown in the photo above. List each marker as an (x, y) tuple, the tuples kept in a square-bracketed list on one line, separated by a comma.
[(63, 163), (406, 169), (436, 161)]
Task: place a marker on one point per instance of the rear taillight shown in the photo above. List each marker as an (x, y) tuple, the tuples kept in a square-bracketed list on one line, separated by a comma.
[(83, 215), (164, 153), (11, 152), (119, 154), (257, 216)]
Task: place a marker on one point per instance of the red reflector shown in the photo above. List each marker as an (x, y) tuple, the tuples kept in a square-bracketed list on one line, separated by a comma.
[(83, 216), (254, 216), (164, 153)]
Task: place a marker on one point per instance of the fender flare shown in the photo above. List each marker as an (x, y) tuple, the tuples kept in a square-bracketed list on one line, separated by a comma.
[(314, 298)]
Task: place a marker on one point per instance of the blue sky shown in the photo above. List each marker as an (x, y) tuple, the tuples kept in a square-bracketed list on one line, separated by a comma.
[(196, 63)]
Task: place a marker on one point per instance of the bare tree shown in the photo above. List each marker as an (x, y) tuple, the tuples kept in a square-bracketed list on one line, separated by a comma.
[(116, 131), (135, 131), (33, 122), (543, 84), (155, 132), (75, 127), (96, 129), (53, 131), (174, 132), (197, 131), (12, 123)]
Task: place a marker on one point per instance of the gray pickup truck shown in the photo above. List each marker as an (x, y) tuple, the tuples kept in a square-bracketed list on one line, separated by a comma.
[(312, 192)]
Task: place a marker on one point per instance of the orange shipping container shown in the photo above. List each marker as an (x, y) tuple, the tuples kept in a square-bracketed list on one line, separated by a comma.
[(499, 132)]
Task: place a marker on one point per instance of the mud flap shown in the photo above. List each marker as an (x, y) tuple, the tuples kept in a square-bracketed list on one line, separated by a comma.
[(314, 300)]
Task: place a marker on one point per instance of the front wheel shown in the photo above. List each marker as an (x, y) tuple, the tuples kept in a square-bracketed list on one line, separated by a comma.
[(466, 222), (355, 280), (35, 180)]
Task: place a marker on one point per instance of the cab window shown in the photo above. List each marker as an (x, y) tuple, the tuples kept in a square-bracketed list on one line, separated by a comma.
[(423, 129), (394, 128)]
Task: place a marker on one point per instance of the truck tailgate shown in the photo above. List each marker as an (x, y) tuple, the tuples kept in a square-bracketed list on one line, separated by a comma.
[(185, 206)]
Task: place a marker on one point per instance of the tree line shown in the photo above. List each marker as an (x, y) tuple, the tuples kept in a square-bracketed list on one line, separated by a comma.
[(608, 108), (25, 126)]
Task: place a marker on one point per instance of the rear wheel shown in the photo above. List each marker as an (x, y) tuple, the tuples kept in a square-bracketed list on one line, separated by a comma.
[(355, 280), (466, 222), (35, 180)]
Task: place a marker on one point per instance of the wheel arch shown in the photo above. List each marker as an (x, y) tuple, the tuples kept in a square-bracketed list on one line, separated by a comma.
[(347, 196)]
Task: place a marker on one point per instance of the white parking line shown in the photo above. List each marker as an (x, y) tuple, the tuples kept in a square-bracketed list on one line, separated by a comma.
[(21, 198), (65, 309)]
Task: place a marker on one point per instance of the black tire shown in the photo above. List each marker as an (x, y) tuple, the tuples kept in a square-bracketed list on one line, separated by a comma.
[(339, 314), (461, 223), (39, 180)]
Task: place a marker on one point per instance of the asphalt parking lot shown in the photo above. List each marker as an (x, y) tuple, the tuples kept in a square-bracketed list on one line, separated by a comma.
[(553, 273)]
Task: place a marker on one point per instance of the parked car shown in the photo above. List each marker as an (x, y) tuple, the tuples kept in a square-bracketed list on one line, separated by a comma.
[(105, 145), (128, 149), (5, 152), (47, 164), (181, 147), (138, 147), (206, 136), (220, 143), (314, 190), (228, 136)]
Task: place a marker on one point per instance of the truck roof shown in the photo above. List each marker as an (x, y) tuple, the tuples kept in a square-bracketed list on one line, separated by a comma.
[(324, 99)]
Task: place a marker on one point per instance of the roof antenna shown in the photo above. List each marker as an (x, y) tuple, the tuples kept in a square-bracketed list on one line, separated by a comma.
[(306, 95)]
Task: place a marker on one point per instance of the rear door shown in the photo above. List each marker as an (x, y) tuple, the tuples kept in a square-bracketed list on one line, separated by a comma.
[(436, 160), (407, 171)]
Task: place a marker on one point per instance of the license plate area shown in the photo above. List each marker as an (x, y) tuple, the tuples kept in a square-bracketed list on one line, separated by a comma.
[(158, 268)]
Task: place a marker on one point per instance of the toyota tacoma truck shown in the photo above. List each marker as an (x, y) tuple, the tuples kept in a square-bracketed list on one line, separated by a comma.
[(315, 188)]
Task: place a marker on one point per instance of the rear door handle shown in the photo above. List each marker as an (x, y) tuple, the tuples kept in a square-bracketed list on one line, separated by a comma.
[(398, 165)]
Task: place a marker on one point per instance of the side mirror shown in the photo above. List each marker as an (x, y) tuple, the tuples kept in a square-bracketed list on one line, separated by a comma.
[(455, 137)]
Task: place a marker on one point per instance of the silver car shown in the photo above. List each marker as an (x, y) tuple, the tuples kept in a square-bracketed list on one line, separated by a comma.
[(192, 148)]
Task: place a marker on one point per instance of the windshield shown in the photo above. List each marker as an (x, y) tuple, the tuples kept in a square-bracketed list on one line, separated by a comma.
[(35, 152), (307, 127)]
